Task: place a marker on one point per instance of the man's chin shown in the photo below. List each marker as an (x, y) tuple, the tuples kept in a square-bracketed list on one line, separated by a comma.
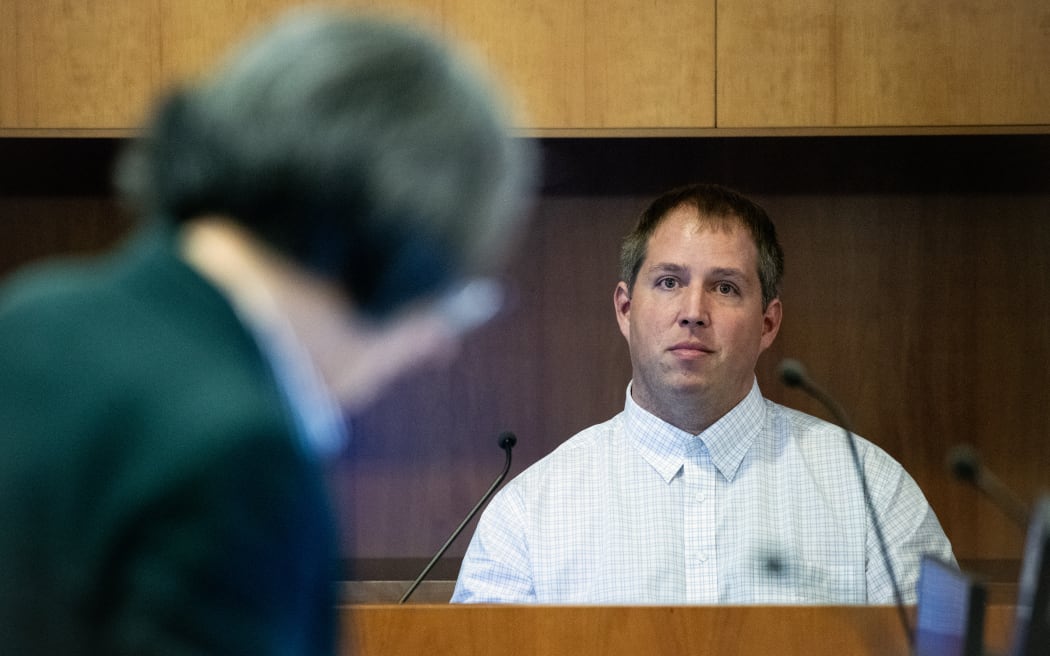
[(690, 387)]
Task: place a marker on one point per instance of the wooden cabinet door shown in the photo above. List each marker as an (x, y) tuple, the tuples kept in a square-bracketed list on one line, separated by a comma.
[(598, 63), (579, 64), (846, 63), (98, 64), (198, 33), (77, 64)]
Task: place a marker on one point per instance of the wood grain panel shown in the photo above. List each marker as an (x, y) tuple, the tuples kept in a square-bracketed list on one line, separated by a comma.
[(632, 630), (76, 64), (891, 62), (42, 228), (598, 64), (198, 33), (926, 315), (619, 64)]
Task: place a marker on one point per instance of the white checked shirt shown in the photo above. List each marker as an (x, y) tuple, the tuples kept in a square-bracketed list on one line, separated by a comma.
[(764, 507)]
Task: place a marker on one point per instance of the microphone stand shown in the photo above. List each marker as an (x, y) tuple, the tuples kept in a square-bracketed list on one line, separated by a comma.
[(507, 440), (966, 466), (793, 374)]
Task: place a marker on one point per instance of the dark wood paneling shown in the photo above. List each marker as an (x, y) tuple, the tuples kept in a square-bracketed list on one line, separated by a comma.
[(55, 199), (917, 291)]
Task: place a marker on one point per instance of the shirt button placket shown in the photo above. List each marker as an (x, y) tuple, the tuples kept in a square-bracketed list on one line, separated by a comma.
[(701, 521)]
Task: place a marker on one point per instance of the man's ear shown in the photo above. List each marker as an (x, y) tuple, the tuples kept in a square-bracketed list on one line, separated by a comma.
[(622, 304), (771, 322)]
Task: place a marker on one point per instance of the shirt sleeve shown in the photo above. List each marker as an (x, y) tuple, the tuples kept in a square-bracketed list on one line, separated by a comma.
[(909, 525), (496, 566)]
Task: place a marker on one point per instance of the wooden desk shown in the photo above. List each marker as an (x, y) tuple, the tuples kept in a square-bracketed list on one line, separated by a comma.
[(451, 630)]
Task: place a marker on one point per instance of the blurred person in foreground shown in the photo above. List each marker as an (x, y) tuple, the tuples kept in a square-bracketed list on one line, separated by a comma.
[(701, 491), (314, 212)]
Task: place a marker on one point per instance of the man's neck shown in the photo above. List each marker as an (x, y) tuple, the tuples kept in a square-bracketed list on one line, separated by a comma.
[(689, 412)]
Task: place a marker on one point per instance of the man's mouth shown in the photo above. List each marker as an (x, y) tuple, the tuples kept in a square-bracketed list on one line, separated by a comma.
[(691, 349)]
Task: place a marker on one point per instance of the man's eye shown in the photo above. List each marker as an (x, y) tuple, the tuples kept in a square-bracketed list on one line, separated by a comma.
[(667, 283), (726, 288)]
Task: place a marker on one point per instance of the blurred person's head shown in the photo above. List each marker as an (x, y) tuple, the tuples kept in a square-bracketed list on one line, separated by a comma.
[(361, 148), (362, 153)]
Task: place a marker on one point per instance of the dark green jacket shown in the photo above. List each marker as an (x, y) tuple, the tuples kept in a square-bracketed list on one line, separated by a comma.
[(154, 497)]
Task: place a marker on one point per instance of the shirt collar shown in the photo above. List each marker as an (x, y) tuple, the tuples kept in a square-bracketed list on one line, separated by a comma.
[(666, 447), (317, 417)]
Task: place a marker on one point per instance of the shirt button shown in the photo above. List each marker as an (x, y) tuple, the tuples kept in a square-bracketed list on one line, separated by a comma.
[(702, 557), (700, 496)]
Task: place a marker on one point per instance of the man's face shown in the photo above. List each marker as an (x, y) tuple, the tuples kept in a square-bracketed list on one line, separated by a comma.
[(694, 321)]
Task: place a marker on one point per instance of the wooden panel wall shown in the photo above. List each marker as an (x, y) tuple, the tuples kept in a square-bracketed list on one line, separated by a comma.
[(97, 65), (586, 65), (891, 62), (917, 291), (596, 64), (71, 64)]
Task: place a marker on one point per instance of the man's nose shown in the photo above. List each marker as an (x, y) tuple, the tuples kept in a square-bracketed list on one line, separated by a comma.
[(694, 309)]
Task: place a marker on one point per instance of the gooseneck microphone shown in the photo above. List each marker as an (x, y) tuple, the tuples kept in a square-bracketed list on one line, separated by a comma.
[(506, 441), (793, 374), (964, 463)]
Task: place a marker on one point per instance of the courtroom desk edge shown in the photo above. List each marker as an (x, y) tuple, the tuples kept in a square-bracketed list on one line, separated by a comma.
[(451, 629)]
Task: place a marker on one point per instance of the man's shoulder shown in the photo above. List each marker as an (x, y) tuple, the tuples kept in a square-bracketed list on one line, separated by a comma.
[(810, 433), (49, 288), (577, 452), (787, 418)]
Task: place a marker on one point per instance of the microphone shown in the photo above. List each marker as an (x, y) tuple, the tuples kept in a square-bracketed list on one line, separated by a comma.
[(793, 374), (964, 463), (506, 441)]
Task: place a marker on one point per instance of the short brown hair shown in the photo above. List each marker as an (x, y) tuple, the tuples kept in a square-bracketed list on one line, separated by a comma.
[(711, 201)]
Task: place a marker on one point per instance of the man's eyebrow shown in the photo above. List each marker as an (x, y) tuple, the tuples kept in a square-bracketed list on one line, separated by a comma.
[(731, 273), (727, 272), (665, 267)]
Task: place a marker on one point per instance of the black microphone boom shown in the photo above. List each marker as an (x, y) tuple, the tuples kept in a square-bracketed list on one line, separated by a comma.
[(793, 374), (966, 466), (506, 441)]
